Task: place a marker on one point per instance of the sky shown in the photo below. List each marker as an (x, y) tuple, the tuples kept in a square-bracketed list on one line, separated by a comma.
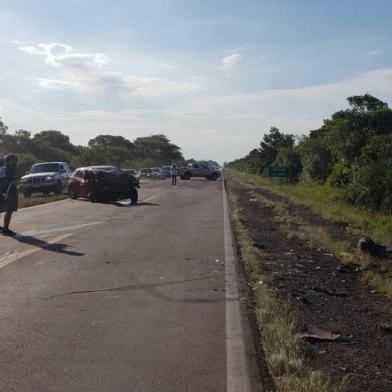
[(213, 75)]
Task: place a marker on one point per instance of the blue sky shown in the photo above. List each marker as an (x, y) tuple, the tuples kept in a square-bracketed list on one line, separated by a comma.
[(212, 75)]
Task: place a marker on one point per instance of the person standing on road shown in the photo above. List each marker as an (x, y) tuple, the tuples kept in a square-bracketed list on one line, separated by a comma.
[(8, 192), (174, 174)]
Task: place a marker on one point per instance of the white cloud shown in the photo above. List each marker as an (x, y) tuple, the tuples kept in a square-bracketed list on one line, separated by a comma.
[(231, 60), (228, 63), (88, 73), (219, 127), (376, 52)]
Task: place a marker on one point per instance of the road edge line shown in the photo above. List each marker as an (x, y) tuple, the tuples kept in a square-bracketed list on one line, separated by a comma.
[(237, 374)]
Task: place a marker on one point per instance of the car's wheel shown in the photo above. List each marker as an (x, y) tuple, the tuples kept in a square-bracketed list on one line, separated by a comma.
[(72, 193), (93, 197), (134, 195), (26, 194), (187, 176), (213, 176)]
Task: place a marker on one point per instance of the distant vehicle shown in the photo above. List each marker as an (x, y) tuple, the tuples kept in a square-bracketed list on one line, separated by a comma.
[(157, 174), (166, 170), (145, 172), (103, 184), (133, 172), (197, 170), (45, 177)]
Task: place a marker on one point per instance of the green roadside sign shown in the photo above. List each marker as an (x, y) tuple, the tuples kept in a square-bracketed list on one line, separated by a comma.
[(279, 171)]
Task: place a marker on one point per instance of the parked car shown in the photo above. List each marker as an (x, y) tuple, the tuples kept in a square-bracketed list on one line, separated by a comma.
[(145, 172), (45, 177), (198, 170), (157, 174), (103, 184), (133, 172), (166, 170)]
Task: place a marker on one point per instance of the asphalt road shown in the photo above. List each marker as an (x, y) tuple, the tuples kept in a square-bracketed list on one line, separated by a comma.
[(118, 298)]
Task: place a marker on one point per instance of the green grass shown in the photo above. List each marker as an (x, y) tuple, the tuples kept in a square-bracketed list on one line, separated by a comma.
[(36, 200), (326, 202)]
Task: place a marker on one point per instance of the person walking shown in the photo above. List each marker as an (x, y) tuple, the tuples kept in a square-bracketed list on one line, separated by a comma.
[(174, 174), (8, 192)]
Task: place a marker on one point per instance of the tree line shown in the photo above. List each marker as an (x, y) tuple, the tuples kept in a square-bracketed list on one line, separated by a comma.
[(53, 145), (351, 151)]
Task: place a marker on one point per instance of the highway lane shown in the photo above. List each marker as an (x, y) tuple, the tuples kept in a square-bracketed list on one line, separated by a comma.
[(125, 298)]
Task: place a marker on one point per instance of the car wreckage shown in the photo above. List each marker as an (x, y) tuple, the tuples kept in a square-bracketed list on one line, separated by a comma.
[(103, 184)]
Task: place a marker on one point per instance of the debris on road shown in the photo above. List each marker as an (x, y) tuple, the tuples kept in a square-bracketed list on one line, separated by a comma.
[(308, 332), (367, 245)]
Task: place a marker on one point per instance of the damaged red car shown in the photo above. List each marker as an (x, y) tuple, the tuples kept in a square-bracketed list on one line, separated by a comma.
[(103, 184)]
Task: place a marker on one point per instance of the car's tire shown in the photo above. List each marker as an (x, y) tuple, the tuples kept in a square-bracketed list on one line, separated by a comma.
[(187, 176), (93, 197), (213, 176), (27, 194), (72, 193), (134, 195)]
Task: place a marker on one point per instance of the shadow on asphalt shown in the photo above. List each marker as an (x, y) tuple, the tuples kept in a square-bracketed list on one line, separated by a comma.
[(58, 248), (120, 204)]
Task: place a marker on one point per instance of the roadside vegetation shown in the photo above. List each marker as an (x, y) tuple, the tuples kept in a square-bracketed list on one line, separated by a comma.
[(36, 200), (349, 158), (341, 172), (294, 224), (53, 145), (326, 201), (277, 325)]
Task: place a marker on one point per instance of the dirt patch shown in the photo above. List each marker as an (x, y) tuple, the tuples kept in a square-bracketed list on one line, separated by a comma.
[(326, 295), (339, 231)]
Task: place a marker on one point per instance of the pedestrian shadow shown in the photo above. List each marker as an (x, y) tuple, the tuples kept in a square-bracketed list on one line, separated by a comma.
[(57, 247)]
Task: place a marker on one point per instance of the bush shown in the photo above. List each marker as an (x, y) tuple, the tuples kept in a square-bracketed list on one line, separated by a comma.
[(371, 187)]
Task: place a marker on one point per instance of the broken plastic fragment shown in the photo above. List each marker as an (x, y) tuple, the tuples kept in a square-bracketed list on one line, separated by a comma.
[(318, 334)]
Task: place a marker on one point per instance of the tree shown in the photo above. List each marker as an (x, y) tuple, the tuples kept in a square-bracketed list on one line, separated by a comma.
[(158, 148), (4, 138), (366, 103), (270, 145), (289, 157), (111, 141), (55, 139)]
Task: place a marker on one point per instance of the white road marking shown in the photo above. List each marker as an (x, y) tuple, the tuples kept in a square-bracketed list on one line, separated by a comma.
[(148, 199), (35, 232), (236, 364), (11, 258)]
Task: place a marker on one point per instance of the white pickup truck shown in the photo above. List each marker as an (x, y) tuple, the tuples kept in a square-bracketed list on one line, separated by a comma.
[(199, 170)]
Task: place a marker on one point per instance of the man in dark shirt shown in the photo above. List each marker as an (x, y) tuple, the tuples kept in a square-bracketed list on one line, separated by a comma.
[(8, 192)]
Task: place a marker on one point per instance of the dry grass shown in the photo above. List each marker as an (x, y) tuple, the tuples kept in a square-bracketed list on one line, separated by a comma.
[(276, 323)]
